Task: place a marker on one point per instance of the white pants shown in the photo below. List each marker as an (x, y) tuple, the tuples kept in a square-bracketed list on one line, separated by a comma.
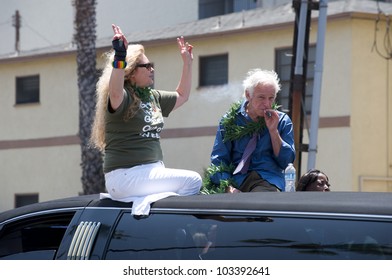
[(147, 179)]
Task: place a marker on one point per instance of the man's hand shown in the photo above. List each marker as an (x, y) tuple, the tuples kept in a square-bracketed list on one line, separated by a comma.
[(231, 189)]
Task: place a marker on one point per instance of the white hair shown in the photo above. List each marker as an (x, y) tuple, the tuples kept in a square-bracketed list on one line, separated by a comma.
[(259, 76)]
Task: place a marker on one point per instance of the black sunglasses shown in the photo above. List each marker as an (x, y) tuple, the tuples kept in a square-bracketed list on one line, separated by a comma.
[(145, 65)]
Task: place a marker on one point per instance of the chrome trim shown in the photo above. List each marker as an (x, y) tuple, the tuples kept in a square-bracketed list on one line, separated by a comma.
[(253, 212), (277, 213), (91, 241), (82, 241), (43, 212), (74, 241)]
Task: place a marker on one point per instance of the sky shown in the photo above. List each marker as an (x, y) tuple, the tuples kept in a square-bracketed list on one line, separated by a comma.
[(46, 23)]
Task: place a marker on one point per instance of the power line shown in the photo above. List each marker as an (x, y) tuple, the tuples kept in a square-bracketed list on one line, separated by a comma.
[(17, 23), (5, 22), (38, 33), (386, 53)]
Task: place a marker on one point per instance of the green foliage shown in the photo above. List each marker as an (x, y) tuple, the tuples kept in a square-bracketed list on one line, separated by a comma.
[(232, 132), (209, 187), (143, 93)]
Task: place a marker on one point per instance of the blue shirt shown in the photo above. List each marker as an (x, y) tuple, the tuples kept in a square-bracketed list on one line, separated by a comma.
[(270, 167)]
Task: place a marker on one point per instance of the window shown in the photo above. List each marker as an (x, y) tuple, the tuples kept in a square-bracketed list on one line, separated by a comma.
[(283, 68), (210, 8), (223, 237), (241, 5), (213, 70), (34, 238), (25, 199), (27, 89)]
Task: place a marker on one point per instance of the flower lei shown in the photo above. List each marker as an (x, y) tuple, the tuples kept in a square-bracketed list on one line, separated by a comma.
[(208, 187), (143, 93), (232, 132)]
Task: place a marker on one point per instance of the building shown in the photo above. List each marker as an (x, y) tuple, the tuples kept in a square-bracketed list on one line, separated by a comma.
[(39, 147)]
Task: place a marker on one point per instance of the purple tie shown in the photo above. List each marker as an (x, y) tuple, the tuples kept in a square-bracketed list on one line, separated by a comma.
[(245, 160)]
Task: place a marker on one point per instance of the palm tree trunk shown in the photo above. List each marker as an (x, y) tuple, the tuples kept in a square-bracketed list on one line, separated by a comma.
[(84, 37)]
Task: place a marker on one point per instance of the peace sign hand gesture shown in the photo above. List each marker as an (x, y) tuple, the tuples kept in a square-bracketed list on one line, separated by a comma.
[(119, 43), (185, 50)]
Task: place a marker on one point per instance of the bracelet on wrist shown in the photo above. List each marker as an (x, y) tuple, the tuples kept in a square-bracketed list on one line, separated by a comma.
[(119, 64)]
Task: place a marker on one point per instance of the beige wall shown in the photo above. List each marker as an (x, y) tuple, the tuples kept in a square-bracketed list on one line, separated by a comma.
[(57, 112), (354, 138), (52, 171), (355, 81), (369, 97), (334, 142)]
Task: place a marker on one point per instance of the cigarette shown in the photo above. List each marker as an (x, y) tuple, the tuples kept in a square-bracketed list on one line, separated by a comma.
[(268, 113)]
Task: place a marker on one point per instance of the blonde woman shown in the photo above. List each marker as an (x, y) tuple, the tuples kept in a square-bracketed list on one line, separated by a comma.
[(128, 122)]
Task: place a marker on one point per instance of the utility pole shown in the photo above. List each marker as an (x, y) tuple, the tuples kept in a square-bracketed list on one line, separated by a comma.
[(16, 24), (299, 63), (318, 71), (303, 9)]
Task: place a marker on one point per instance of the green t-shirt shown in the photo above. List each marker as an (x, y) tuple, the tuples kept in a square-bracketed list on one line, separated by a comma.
[(136, 141)]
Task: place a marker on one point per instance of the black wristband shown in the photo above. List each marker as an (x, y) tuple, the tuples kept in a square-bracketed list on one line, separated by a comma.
[(120, 50), (120, 56)]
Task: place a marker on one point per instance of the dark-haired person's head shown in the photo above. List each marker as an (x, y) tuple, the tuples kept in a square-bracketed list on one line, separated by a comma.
[(313, 180)]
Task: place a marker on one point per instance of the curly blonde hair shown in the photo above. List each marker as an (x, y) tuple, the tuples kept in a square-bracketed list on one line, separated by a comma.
[(134, 53)]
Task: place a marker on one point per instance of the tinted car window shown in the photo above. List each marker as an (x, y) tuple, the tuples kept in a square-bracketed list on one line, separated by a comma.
[(169, 236), (34, 237)]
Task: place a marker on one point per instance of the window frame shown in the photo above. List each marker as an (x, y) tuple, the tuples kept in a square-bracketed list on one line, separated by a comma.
[(213, 70), (211, 8), (25, 93), (31, 197), (285, 78)]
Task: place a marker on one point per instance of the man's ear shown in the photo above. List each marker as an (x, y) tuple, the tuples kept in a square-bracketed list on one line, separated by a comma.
[(247, 95)]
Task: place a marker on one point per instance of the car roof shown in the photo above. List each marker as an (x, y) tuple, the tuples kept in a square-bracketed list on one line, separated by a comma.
[(63, 203), (372, 203), (369, 203)]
